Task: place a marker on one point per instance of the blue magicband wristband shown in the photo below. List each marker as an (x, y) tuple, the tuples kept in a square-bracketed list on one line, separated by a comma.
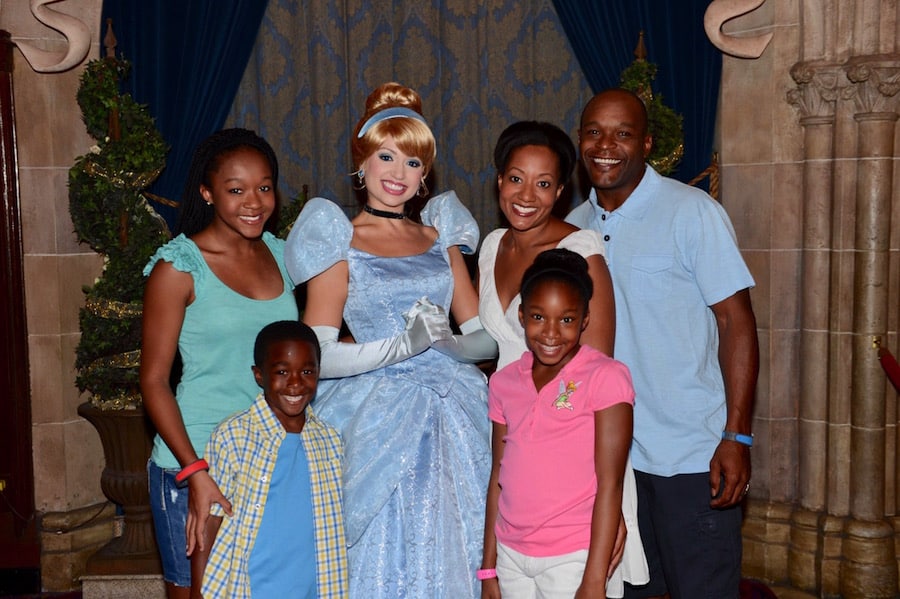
[(742, 439)]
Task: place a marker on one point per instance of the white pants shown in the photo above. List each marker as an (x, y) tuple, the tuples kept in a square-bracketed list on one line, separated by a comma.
[(524, 577)]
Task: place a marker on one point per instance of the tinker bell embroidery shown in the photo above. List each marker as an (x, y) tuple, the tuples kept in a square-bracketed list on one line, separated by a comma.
[(565, 392)]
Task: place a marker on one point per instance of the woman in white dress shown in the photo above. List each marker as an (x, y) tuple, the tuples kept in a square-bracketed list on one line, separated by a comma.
[(534, 162)]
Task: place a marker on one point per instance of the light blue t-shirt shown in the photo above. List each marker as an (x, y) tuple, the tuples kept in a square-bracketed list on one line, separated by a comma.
[(283, 559), (672, 253)]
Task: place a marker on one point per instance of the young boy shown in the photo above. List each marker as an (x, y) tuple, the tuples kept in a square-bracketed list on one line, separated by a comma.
[(280, 467)]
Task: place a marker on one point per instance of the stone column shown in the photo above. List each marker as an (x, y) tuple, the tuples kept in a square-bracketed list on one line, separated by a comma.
[(815, 97), (870, 567)]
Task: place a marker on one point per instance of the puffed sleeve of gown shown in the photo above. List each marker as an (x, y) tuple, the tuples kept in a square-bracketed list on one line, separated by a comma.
[(319, 239), (454, 222)]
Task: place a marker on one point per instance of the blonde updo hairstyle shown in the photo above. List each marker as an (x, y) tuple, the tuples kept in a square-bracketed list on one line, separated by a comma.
[(413, 137)]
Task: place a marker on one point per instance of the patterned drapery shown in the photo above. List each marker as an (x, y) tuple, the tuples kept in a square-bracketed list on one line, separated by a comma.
[(478, 65)]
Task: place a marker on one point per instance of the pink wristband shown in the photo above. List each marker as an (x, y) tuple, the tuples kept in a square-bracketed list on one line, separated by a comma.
[(486, 574), (190, 470)]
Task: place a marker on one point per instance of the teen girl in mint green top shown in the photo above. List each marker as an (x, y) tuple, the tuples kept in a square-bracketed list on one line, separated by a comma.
[(216, 343), (209, 292)]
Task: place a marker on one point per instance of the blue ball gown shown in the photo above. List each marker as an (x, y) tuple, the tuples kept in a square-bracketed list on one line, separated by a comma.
[(416, 434)]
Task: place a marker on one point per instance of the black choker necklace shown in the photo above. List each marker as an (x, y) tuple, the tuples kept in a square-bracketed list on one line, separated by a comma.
[(383, 213)]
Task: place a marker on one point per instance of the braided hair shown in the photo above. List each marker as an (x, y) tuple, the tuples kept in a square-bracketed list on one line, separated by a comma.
[(195, 214), (562, 265)]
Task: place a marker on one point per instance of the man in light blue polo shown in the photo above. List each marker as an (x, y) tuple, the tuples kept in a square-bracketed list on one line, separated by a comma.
[(685, 327)]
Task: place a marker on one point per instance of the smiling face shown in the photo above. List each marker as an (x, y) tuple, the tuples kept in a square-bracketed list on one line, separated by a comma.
[(614, 145), (553, 315), (242, 192), (289, 376), (529, 186), (392, 178)]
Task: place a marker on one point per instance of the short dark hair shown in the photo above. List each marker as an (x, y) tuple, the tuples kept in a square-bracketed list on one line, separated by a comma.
[(558, 264), (283, 330), (194, 213), (645, 116), (536, 133)]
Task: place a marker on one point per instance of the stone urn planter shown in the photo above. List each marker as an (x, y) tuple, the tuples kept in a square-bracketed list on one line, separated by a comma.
[(111, 213), (127, 437)]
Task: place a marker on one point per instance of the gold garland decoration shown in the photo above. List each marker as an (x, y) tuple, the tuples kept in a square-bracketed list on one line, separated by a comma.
[(112, 309), (107, 308), (129, 359), (121, 401), (665, 164), (120, 178)]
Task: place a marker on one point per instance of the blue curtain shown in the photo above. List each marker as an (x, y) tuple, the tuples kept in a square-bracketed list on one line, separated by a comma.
[(187, 60), (604, 35)]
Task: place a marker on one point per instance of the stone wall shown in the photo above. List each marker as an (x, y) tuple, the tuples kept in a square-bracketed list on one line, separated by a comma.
[(68, 457), (807, 137)]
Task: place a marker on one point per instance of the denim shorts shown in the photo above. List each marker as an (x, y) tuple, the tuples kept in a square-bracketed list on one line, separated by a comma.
[(169, 505)]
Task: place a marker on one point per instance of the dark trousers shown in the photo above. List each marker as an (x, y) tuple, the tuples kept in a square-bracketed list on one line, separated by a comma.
[(694, 551)]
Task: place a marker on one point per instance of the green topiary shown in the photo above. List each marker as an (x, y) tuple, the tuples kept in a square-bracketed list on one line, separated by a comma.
[(663, 122), (111, 214)]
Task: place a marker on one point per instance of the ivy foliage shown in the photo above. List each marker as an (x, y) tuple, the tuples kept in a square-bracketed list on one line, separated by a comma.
[(113, 217)]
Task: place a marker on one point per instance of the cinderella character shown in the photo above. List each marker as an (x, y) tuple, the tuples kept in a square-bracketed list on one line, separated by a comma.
[(404, 392)]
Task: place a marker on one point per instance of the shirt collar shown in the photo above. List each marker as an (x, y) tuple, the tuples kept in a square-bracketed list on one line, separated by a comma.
[(637, 204), (527, 362), (261, 411), (271, 426)]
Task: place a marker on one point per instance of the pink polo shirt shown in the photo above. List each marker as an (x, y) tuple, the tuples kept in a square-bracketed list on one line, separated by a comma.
[(547, 476)]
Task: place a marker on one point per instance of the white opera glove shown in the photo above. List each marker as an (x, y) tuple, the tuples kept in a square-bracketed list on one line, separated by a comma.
[(433, 316), (348, 359), (474, 345)]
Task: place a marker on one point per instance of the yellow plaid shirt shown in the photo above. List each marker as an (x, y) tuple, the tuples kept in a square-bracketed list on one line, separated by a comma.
[(241, 453)]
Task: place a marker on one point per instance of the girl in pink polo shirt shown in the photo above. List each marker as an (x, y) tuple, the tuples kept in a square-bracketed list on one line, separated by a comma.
[(562, 418)]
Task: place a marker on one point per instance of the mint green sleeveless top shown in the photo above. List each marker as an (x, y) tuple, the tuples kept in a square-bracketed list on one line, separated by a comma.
[(216, 343)]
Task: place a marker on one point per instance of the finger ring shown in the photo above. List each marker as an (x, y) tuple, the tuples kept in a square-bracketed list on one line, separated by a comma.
[(746, 488)]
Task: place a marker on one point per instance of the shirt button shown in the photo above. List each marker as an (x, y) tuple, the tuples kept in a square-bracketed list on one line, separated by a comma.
[(256, 507), (602, 217), (606, 238)]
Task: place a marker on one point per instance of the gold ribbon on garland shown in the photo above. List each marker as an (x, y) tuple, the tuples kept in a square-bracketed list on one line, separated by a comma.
[(121, 178), (129, 359), (123, 399), (112, 309), (107, 308)]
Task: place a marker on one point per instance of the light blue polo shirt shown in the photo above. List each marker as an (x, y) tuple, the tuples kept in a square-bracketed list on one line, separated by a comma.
[(672, 253)]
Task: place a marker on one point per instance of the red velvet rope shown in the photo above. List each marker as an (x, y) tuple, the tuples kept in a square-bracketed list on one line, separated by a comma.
[(890, 366)]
